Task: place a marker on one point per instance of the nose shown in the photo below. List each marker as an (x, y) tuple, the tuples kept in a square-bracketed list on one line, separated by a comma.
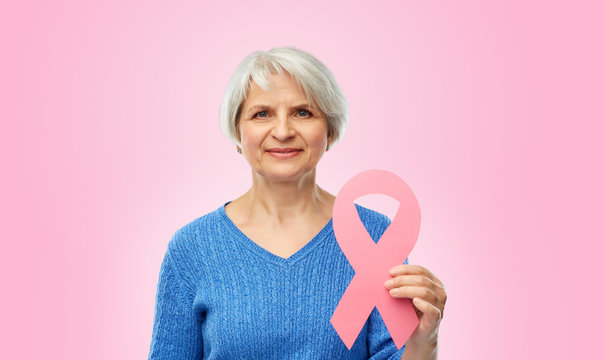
[(283, 128)]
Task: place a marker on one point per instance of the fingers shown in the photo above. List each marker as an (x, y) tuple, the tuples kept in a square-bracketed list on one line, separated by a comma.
[(419, 280), (406, 269), (414, 291), (430, 311), (403, 269), (421, 285)]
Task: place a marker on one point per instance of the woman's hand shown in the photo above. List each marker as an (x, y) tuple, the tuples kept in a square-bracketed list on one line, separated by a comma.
[(428, 296)]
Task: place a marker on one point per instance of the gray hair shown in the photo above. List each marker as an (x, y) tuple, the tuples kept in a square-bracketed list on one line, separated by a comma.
[(315, 79)]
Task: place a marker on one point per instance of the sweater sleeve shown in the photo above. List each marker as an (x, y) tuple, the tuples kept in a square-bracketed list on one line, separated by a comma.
[(176, 330)]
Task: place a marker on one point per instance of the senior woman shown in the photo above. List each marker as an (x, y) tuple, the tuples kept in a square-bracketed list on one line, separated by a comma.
[(260, 277)]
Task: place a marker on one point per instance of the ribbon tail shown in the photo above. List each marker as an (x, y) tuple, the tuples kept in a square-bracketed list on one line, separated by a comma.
[(352, 312), (400, 319)]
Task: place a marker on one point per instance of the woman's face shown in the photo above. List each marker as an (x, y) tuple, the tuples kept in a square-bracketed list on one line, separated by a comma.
[(282, 137)]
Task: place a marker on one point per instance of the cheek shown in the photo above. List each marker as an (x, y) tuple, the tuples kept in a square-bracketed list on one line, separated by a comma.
[(319, 137), (247, 136), (321, 142)]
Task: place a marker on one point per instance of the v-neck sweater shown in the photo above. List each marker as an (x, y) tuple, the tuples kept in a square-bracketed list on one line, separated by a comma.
[(222, 296)]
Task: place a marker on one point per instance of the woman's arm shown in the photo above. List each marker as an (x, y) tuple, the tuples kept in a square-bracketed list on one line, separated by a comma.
[(425, 351), (176, 330), (428, 295)]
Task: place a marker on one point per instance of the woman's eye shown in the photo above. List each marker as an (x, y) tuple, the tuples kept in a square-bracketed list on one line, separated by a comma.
[(304, 113), (261, 114)]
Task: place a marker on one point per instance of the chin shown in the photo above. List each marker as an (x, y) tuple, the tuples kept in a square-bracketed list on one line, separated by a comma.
[(286, 175)]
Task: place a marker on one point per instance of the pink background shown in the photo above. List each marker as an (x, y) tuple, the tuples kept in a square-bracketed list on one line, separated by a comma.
[(490, 110)]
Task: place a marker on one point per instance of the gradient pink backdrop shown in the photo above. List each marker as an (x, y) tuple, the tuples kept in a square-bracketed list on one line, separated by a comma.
[(491, 110)]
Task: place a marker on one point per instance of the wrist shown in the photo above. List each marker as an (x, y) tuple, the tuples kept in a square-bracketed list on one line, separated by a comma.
[(421, 350)]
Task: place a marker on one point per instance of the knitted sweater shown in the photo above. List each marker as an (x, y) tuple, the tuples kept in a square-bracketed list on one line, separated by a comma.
[(222, 296)]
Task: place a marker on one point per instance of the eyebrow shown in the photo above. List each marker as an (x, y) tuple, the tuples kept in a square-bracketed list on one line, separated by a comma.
[(260, 107)]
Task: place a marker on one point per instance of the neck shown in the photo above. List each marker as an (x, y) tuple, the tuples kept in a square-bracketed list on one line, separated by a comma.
[(287, 201)]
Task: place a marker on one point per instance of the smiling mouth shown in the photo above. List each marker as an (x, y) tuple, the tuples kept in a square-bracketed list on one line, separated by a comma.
[(284, 153)]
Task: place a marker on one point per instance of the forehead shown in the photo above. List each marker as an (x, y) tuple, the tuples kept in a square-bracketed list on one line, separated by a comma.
[(280, 88)]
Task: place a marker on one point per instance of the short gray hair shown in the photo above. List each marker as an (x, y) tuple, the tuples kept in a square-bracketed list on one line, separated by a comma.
[(315, 79)]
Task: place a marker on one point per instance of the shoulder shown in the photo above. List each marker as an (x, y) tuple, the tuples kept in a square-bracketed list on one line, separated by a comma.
[(375, 222), (189, 244), (189, 235), (194, 234)]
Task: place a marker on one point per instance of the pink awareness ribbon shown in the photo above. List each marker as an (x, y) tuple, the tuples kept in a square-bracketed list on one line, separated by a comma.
[(372, 261)]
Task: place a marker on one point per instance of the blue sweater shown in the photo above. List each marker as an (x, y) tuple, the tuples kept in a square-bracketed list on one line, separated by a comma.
[(222, 296)]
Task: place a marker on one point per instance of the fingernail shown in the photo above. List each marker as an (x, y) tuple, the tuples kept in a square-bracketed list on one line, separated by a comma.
[(393, 291), (389, 283)]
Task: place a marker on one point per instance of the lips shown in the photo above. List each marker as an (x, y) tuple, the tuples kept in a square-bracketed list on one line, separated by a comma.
[(283, 153), (283, 150)]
